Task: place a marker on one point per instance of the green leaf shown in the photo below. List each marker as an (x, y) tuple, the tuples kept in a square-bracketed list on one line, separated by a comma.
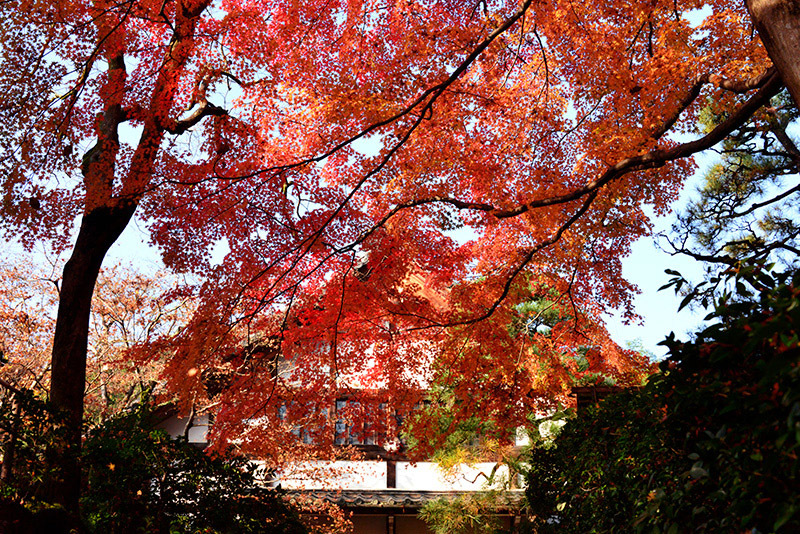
[(697, 471), (686, 300), (785, 514)]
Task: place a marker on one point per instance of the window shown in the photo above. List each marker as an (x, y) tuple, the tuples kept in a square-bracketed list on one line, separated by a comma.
[(361, 422)]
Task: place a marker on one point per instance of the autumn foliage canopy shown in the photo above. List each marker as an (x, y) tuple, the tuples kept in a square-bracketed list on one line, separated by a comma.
[(397, 184)]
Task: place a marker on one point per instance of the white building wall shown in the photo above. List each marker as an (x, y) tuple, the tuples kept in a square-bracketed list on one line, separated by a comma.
[(175, 427), (371, 475), (363, 475), (428, 476)]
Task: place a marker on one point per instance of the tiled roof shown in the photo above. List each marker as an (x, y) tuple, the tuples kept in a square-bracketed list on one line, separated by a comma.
[(391, 498)]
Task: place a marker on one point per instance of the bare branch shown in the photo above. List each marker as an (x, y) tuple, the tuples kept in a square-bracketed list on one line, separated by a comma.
[(650, 160), (205, 109), (741, 86)]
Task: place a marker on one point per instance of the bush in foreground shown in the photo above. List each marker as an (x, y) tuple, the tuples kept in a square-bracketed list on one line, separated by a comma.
[(710, 444), (139, 480)]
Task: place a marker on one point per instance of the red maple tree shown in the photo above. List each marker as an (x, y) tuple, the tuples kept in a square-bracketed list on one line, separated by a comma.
[(334, 146)]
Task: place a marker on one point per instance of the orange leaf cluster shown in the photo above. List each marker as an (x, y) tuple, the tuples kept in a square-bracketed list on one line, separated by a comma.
[(388, 177)]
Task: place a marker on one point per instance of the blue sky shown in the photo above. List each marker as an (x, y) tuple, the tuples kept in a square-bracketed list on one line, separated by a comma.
[(645, 267)]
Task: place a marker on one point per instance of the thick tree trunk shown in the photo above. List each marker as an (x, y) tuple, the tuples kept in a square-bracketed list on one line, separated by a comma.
[(99, 229), (107, 213), (10, 445), (778, 25)]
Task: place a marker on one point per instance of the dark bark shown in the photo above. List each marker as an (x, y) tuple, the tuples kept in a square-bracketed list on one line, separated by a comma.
[(10, 445), (778, 25), (99, 229), (107, 213)]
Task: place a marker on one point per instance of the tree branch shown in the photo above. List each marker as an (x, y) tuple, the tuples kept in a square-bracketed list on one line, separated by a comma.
[(740, 86), (650, 160), (205, 109)]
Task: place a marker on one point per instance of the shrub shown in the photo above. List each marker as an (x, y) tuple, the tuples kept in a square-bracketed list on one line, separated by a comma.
[(136, 479), (710, 444)]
